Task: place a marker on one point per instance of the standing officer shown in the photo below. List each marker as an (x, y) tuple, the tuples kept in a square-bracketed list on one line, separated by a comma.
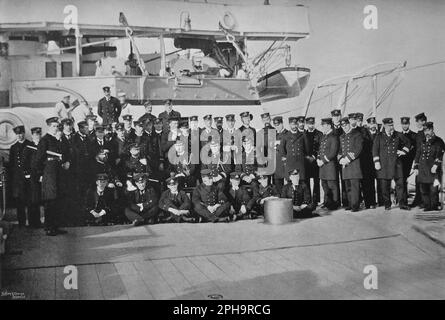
[(231, 141), (264, 143), (314, 136), (421, 120), (408, 159), (327, 162), (142, 203), (35, 195), (336, 125), (108, 108), (148, 112), (246, 129), (295, 147), (50, 161), (18, 180), (388, 147), (427, 164), (128, 129), (280, 165), (82, 159), (373, 132), (351, 142), (91, 123), (168, 114), (367, 184), (209, 201), (175, 203)]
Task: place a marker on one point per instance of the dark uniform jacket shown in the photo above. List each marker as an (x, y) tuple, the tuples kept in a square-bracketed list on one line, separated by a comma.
[(147, 116), (280, 165), (178, 201), (350, 147), (239, 198), (266, 145), (109, 110), (97, 202), (50, 166), (429, 153), (144, 143), (407, 160), (208, 195), (299, 194), (95, 145), (104, 167), (268, 191), (329, 145), (295, 149), (82, 157), (165, 116), (252, 190), (313, 138), (148, 198), (134, 165), (385, 149), (366, 163), (29, 154), (17, 165), (129, 134), (338, 130), (231, 138)]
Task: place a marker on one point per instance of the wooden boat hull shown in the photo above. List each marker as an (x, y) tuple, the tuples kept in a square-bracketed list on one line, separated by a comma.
[(283, 83)]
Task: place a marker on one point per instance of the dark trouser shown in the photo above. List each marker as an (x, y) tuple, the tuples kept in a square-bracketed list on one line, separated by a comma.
[(386, 191), (173, 217), (141, 216), (379, 194), (279, 183), (331, 194), (21, 212), (353, 191), (429, 195), (344, 193), (315, 192), (51, 208), (418, 197), (222, 211), (34, 215), (368, 189)]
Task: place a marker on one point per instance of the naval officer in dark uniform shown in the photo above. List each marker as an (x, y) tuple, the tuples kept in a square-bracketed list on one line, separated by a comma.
[(427, 165), (108, 108), (18, 181), (387, 149), (351, 142), (295, 148), (313, 136), (408, 159), (168, 114), (327, 162), (421, 120), (35, 186), (175, 203), (50, 161), (280, 165), (209, 201)]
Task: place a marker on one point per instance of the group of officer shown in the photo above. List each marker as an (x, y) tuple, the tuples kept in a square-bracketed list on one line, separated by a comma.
[(166, 168)]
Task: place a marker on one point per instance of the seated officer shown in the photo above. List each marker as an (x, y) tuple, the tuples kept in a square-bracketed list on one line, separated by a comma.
[(300, 195), (209, 201), (99, 202), (142, 202), (129, 131), (174, 203), (239, 199), (102, 165), (135, 164), (250, 184), (265, 191)]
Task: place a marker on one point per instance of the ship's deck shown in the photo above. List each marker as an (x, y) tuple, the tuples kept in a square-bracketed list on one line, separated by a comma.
[(318, 258)]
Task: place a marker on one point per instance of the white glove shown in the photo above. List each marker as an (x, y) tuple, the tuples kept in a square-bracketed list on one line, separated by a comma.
[(130, 186), (416, 172), (40, 179), (436, 183), (143, 161), (141, 206), (434, 168), (400, 153), (377, 165), (319, 162), (111, 185), (27, 176), (243, 209)]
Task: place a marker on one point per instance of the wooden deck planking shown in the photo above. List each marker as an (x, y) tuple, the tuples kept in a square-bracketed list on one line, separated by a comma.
[(154, 281), (89, 284), (61, 292), (110, 282), (44, 284), (135, 287)]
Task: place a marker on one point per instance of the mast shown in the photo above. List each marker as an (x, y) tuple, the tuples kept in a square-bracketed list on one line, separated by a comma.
[(162, 52)]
